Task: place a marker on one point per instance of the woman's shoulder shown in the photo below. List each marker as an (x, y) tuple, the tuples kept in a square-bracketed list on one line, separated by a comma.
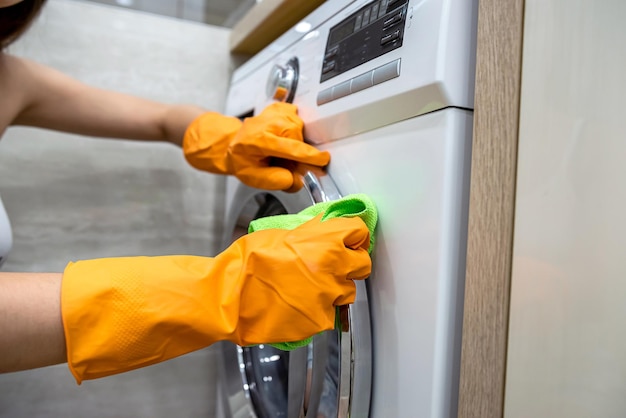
[(8, 62), (12, 67), (8, 105)]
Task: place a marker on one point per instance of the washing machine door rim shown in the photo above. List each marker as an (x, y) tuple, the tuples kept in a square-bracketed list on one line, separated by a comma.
[(308, 366)]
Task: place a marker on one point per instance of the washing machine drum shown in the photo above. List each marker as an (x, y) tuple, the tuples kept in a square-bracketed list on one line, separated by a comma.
[(331, 377)]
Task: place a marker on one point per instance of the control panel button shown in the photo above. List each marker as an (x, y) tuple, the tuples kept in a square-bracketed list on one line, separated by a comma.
[(331, 53), (390, 21), (324, 96), (358, 22), (362, 82), (387, 72), (366, 16), (390, 37), (383, 7), (374, 12), (328, 67), (341, 90)]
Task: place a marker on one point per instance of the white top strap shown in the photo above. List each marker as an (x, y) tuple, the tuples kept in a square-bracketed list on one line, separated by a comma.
[(6, 237)]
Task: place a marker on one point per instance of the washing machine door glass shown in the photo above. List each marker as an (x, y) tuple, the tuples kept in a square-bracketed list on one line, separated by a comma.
[(331, 377)]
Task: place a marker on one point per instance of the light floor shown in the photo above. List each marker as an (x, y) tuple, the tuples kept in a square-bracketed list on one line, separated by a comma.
[(71, 197)]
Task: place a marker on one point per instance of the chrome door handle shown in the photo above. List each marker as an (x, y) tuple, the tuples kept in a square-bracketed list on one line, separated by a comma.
[(297, 382)]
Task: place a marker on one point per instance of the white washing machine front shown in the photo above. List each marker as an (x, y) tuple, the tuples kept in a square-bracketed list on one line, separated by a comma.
[(398, 126)]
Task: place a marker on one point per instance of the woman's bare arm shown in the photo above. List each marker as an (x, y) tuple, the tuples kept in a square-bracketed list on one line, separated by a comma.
[(31, 328), (55, 101)]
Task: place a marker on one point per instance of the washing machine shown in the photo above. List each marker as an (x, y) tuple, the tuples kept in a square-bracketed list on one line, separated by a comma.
[(387, 88)]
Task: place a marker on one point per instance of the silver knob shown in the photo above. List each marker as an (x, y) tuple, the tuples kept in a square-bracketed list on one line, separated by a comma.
[(281, 84)]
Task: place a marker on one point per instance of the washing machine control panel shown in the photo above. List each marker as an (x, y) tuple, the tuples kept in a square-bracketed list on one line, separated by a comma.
[(362, 64), (368, 33)]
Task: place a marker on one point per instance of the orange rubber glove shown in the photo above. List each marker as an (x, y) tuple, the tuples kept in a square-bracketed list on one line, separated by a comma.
[(269, 286), (258, 150)]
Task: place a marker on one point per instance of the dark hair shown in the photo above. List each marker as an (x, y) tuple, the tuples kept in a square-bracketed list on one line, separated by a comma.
[(14, 20)]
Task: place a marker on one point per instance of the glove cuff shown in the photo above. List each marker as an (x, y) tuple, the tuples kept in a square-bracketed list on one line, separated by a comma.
[(206, 142), (121, 314)]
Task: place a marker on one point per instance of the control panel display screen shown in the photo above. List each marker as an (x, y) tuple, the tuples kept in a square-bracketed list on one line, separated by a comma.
[(340, 32), (368, 33)]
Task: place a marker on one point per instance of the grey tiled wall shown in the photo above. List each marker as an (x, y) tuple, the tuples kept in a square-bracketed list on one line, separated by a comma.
[(70, 197), (216, 12), (146, 55)]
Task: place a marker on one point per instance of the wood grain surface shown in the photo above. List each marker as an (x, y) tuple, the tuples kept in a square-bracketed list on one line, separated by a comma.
[(266, 21), (492, 206)]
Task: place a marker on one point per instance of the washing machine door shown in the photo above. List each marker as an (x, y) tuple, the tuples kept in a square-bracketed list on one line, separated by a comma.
[(331, 377)]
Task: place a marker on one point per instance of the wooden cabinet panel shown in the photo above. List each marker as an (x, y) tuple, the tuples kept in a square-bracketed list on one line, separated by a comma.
[(266, 21)]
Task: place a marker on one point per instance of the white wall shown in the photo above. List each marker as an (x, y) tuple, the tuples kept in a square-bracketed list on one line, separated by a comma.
[(567, 345)]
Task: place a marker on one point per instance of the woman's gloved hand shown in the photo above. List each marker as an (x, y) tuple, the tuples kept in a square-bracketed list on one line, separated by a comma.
[(269, 286), (257, 150)]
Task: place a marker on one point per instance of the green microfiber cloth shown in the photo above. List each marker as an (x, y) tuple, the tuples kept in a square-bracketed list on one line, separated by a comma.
[(350, 206)]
